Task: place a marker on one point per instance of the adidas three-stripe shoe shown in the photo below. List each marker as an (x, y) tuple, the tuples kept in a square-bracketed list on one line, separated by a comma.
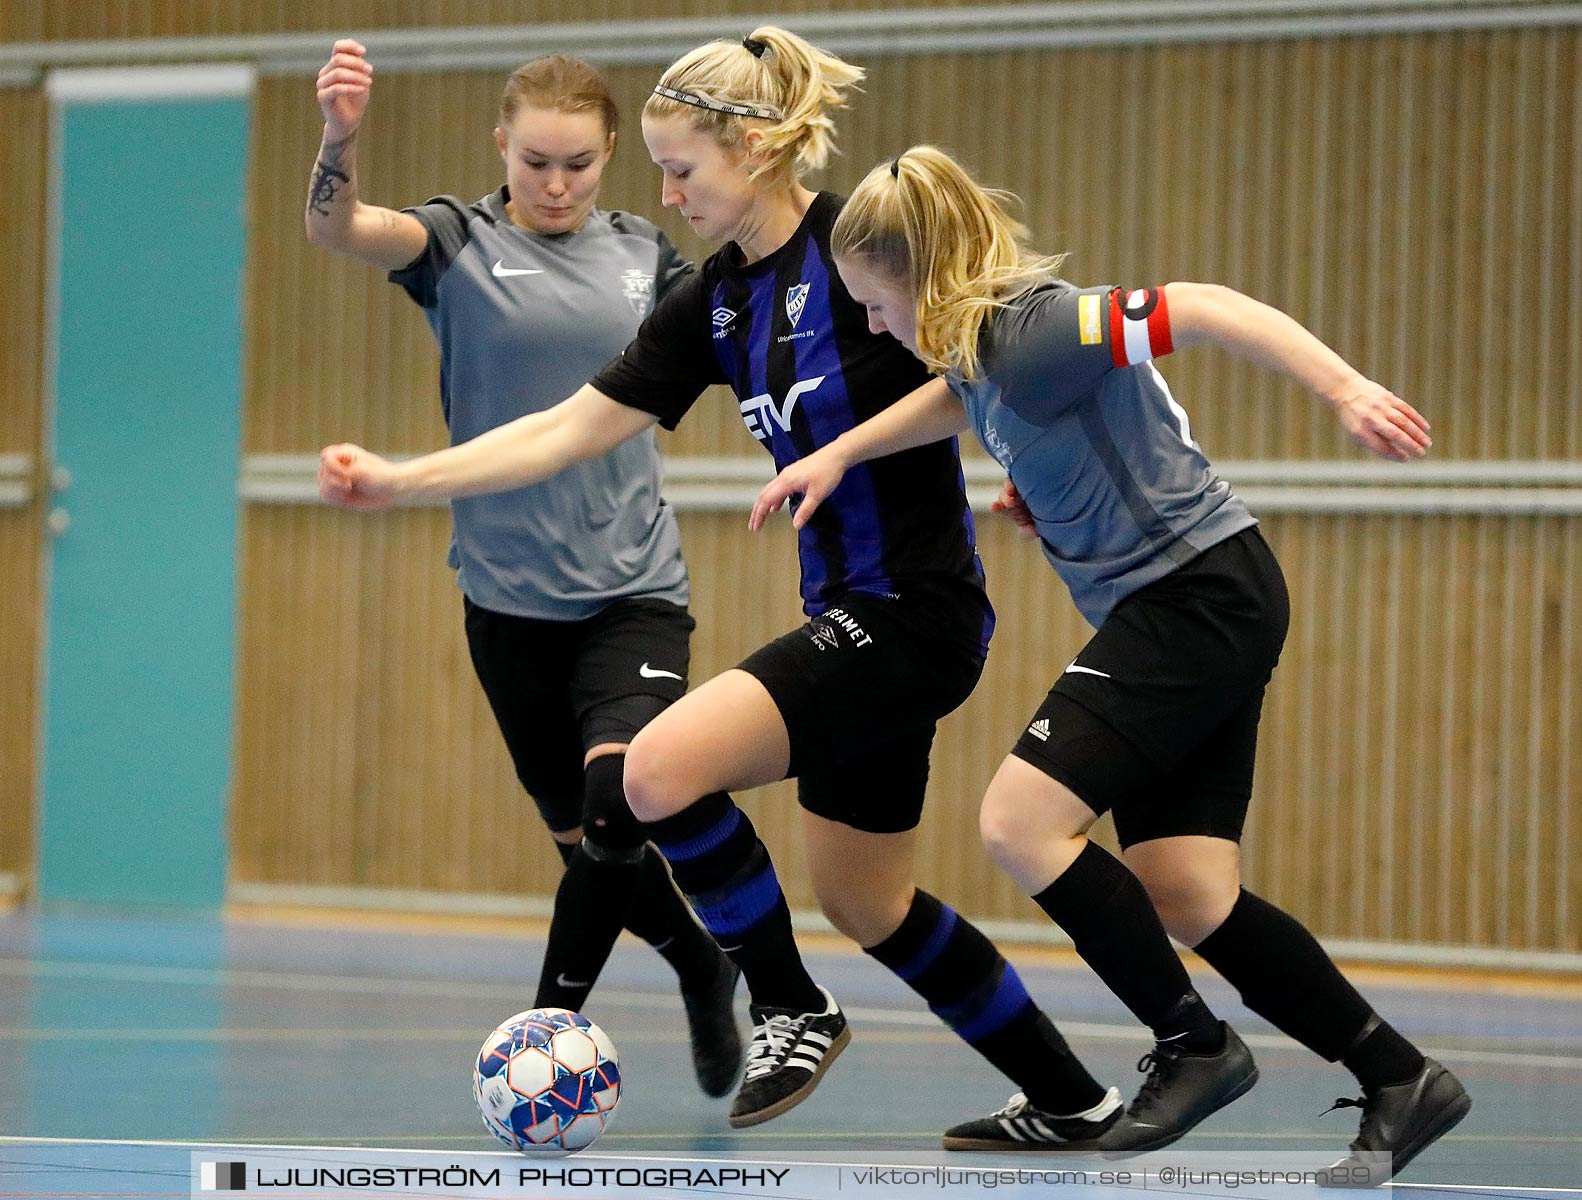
[(1020, 1126), (789, 1054)]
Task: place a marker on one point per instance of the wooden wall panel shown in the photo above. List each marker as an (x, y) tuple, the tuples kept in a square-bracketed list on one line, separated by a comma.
[(56, 20), (1328, 178), (1417, 781), (366, 751), (23, 116), (366, 754), (19, 550), (337, 353), (1417, 778)]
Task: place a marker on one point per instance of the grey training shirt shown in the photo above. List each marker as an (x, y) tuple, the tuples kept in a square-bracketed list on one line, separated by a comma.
[(523, 320), (1069, 403)]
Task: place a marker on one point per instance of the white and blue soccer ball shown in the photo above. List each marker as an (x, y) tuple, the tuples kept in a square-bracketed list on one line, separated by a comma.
[(547, 1081)]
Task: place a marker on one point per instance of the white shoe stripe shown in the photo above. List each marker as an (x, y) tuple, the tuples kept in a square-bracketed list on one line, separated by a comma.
[(810, 1036), (1010, 1128)]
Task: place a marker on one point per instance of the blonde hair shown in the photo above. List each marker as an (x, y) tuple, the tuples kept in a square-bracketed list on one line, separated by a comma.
[(559, 83), (782, 74), (923, 221)]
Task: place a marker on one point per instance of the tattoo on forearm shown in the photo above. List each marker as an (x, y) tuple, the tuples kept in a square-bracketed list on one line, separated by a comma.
[(328, 178)]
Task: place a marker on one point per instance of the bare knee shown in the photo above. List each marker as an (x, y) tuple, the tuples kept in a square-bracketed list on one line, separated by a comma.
[(1000, 828), (1192, 896), (864, 914), (654, 788), (1032, 827)]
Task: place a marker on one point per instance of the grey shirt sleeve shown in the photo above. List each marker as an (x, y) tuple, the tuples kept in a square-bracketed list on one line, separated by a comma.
[(1050, 350), (446, 219)]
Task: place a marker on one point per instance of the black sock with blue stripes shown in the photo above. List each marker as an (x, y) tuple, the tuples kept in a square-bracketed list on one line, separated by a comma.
[(970, 986), (721, 866), (659, 916)]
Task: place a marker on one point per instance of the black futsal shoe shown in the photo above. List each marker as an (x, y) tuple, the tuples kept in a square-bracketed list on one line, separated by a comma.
[(1020, 1126), (1399, 1122), (1182, 1089), (711, 1024), (789, 1054)]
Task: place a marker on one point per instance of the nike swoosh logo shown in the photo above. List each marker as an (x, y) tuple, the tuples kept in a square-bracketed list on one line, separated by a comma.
[(1073, 669), (502, 271), (648, 672), (564, 982)]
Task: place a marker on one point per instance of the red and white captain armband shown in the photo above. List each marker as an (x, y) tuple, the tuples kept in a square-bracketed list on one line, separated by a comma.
[(1139, 325)]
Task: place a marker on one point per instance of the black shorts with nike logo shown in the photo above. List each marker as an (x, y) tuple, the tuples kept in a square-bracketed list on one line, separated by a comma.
[(1157, 719), (560, 688)]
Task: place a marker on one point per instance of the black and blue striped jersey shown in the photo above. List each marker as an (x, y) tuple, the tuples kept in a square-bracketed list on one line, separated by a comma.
[(788, 338)]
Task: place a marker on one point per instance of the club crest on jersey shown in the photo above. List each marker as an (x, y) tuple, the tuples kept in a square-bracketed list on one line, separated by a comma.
[(997, 446), (796, 301), (638, 288), (722, 318)]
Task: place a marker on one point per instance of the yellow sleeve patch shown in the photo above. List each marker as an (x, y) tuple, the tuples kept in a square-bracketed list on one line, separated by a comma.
[(1088, 318)]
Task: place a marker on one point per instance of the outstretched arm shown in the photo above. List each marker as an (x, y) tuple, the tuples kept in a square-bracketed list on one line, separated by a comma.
[(1373, 415), (929, 414), (524, 451)]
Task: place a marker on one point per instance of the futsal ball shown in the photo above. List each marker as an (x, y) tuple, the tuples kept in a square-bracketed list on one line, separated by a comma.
[(547, 1081)]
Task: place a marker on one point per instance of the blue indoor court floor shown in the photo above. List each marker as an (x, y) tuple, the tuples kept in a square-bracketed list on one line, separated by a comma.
[(128, 1045)]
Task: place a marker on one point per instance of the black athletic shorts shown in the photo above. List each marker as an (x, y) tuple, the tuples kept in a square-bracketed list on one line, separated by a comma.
[(560, 688), (1157, 719), (862, 686)]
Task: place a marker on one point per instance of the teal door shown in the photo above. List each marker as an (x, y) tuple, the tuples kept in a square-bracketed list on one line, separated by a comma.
[(149, 175)]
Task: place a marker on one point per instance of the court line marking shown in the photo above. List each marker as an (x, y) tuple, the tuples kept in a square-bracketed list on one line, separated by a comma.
[(945, 1156), (791, 1135), (1488, 1187), (310, 981), (233, 1034), (223, 977), (1072, 1029)]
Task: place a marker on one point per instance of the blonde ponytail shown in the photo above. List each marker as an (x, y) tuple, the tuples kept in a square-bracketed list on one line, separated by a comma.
[(923, 221), (785, 82)]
